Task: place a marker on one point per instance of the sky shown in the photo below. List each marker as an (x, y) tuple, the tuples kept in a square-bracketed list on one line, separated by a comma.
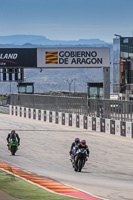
[(67, 19)]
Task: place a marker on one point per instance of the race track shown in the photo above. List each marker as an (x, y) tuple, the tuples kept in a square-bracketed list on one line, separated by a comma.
[(45, 148)]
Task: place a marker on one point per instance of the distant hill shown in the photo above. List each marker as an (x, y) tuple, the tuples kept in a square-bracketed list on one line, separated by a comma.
[(54, 79), (42, 40)]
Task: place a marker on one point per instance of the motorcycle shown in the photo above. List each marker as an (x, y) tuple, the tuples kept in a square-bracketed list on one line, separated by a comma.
[(13, 146), (72, 156), (80, 159)]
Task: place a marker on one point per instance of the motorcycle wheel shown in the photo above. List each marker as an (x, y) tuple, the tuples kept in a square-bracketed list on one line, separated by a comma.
[(75, 169), (13, 150), (80, 164)]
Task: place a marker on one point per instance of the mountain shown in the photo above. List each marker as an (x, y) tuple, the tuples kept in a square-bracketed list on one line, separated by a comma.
[(42, 40), (54, 79)]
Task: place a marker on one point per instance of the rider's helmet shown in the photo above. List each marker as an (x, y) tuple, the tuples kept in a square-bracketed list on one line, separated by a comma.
[(77, 141), (83, 142)]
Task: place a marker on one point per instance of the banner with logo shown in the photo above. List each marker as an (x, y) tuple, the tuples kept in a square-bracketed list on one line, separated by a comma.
[(73, 57), (18, 57)]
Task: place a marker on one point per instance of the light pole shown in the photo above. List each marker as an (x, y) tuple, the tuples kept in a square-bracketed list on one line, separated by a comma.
[(69, 81), (74, 84)]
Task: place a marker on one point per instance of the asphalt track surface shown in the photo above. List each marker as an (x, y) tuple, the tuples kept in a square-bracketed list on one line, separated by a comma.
[(45, 148)]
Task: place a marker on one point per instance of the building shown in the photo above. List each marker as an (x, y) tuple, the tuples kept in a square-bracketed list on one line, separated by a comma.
[(123, 67)]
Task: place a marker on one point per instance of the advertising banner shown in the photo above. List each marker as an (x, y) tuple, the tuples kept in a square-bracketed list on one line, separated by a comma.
[(14, 110), (18, 111), (18, 57), (74, 120), (60, 118), (27, 112), (73, 57), (98, 124), (56, 117), (77, 121), (22, 111), (93, 123), (42, 115), (50, 116), (107, 126), (129, 129), (103, 125), (10, 110), (112, 126), (47, 115), (89, 123), (53, 117), (63, 118), (39, 114), (66, 119), (70, 119), (117, 127), (123, 128), (34, 113), (81, 121), (85, 122)]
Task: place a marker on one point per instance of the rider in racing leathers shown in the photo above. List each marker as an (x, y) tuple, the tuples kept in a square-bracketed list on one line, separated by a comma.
[(13, 134), (80, 146), (74, 144)]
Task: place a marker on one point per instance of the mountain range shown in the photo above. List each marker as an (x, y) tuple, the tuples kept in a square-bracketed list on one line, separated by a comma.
[(42, 40), (54, 79)]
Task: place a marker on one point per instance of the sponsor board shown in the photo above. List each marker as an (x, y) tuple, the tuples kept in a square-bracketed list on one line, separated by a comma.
[(93, 123), (14, 57), (117, 127), (129, 129), (89, 123), (74, 120), (98, 124), (60, 118), (73, 57), (81, 121), (53, 117), (66, 119), (103, 125), (107, 126)]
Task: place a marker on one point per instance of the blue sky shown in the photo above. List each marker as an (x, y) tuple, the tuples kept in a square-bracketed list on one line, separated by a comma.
[(67, 19)]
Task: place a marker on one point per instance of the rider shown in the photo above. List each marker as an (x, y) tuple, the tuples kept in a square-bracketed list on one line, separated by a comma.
[(82, 145), (75, 143), (11, 135)]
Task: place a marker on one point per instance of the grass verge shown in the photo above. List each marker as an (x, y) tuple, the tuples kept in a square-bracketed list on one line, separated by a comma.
[(22, 189)]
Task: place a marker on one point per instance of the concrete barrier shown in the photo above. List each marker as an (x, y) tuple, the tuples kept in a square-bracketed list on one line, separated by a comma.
[(108, 126)]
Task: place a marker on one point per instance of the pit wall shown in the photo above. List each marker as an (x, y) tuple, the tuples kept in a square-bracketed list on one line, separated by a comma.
[(108, 126)]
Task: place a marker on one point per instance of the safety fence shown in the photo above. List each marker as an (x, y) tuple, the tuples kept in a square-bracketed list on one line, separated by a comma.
[(102, 108), (67, 104), (111, 109), (109, 126)]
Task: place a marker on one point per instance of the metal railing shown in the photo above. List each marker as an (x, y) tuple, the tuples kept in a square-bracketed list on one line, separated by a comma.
[(110, 109), (77, 105)]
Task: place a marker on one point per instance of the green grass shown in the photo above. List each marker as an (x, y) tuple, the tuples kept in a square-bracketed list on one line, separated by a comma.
[(2, 98), (20, 188)]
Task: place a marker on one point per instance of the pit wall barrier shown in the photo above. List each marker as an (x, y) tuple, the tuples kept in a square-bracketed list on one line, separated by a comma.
[(108, 126)]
